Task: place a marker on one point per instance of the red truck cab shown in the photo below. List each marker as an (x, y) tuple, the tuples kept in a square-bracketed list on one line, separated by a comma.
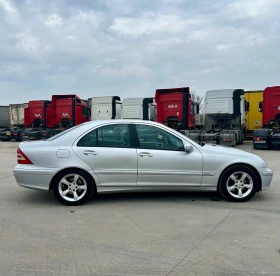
[(270, 107), (43, 119), (268, 136), (37, 114), (69, 111), (175, 108)]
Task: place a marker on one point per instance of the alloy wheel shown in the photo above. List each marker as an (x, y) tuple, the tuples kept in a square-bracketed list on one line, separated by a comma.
[(239, 184), (72, 187)]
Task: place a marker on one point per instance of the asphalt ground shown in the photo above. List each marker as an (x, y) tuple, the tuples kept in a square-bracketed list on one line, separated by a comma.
[(138, 234)]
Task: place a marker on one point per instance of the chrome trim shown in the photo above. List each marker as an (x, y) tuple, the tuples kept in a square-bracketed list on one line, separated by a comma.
[(118, 172), (209, 174), (142, 172)]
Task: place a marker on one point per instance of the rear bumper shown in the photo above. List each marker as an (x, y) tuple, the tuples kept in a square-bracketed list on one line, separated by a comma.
[(266, 176), (262, 144), (33, 177)]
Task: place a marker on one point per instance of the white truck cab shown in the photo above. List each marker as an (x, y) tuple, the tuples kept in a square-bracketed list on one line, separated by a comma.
[(224, 112), (106, 108), (139, 108)]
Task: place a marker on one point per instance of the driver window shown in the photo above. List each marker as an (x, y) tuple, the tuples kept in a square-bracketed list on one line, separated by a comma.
[(112, 136), (151, 137)]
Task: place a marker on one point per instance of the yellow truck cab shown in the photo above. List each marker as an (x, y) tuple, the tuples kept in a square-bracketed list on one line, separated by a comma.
[(253, 116)]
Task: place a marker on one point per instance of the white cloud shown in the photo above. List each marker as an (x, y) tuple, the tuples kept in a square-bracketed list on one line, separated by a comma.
[(137, 70), (12, 15), (8, 6), (199, 35), (168, 42), (151, 23), (208, 70), (32, 44), (89, 18), (254, 40), (222, 47), (53, 21), (110, 60), (69, 37), (252, 8), (84, 46)]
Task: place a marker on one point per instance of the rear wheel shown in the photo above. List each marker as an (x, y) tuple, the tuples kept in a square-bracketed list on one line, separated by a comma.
[(238, 183), (73, 187)]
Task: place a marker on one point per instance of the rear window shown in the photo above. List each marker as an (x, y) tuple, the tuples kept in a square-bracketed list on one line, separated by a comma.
[(63, 132)]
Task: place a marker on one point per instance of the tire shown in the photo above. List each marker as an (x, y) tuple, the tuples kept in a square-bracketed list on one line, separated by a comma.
[(19, 139), (231, 186), (234, 143), (70, 180), (241, 141), (6, 139)]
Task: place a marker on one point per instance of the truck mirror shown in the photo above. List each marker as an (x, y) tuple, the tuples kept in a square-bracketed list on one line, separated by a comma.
[(260, 106), (247, 106), (197, 109)]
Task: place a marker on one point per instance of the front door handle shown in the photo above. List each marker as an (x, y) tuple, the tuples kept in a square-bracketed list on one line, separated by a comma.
[(147, 154), (90, 152)]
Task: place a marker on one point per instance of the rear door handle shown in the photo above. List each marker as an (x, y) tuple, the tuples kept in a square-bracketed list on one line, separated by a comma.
[(147, 154), (90, 152)]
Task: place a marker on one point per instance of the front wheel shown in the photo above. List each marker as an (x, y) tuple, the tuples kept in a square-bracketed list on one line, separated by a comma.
[(73, 187), (238, 183)]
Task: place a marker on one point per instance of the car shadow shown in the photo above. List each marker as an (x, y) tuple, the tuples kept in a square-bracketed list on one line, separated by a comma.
[(156, 197), (33, 197)]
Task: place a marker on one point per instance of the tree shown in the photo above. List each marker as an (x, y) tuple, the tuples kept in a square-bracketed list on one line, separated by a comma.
[(197, 98)]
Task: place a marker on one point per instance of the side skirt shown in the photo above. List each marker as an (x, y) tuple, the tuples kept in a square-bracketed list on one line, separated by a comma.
[(104, 190)]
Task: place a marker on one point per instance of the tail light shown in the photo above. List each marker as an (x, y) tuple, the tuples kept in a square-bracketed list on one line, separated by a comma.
[(22, 158), (257, 139)]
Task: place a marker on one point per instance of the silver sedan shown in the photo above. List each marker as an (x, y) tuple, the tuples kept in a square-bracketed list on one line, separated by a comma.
[(127, 155)]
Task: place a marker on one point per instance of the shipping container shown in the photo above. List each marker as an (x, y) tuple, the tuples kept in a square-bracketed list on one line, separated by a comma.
[(17, 114), (4, 116)]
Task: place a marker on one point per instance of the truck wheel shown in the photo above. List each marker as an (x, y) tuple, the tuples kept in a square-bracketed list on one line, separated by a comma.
[(233, 142), (238, 183), (19, 139), (73, 187), (6, 139), (241, 140)]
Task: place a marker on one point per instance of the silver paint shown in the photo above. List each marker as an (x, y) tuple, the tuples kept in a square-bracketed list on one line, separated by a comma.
[(130, 169)]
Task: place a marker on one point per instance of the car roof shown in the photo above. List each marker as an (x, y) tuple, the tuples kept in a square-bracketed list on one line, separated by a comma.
[(98, 122)]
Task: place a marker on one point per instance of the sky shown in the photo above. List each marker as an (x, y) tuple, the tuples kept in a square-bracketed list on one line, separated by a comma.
[(131, 48)]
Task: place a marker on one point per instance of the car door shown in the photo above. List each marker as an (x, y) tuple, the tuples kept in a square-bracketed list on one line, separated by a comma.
[(107, 150), (163, 161)]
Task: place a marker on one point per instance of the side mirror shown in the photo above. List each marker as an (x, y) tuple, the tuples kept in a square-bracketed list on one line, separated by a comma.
[(188, 148), (260, 106)]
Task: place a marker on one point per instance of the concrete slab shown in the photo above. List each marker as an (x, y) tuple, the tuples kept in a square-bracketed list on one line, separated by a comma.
[(137, 234)]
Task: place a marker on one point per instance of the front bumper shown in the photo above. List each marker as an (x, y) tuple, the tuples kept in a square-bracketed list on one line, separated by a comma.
[(266, 177), (33, 177)]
